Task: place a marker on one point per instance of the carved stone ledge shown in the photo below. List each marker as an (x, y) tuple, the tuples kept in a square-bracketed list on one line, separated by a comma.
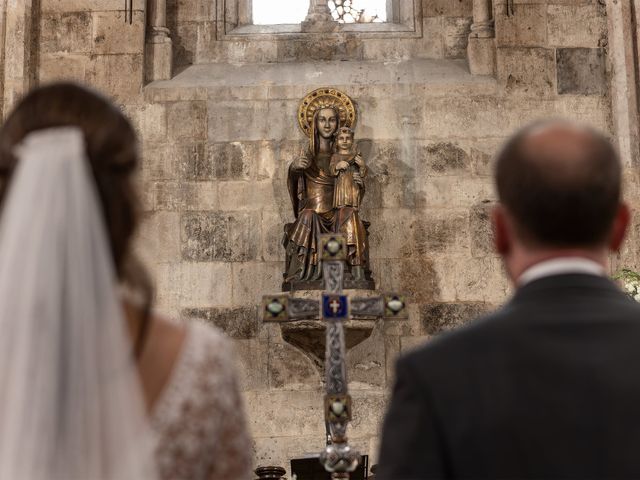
[(310, 336)]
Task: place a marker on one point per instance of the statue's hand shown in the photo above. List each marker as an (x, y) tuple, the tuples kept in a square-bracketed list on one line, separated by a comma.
[(359, 160), (342, 166), (301, 163), (358, 179)]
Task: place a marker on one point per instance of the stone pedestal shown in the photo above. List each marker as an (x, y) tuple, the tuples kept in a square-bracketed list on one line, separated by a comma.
[(482, 56), (310, 335)]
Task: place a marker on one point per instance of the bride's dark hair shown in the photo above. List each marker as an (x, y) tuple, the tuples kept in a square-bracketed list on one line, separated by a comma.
[(112, 149)]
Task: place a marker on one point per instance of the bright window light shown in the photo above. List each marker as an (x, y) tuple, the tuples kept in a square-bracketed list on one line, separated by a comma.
[(359, 11), (277, 12)]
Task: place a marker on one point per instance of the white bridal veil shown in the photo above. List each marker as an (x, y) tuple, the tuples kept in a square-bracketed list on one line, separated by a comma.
[(70, 400)]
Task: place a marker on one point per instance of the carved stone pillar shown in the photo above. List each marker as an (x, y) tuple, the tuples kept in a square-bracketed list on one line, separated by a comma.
[(19, 48), (158, 51), (482, 48), (319, 18)]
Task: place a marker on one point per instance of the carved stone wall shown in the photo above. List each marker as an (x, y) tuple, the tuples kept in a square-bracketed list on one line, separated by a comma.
[(216, 140)]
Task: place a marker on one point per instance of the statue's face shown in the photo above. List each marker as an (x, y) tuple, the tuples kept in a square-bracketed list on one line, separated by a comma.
[(327, 122), (344, 140)]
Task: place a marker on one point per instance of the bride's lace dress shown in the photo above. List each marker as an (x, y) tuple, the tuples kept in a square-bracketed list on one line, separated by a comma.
[(199, 417)]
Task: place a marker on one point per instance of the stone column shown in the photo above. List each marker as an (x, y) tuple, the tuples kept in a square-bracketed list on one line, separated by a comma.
[(18, 67), (319, 18), (158, 51), (482, 48), (623, 35)]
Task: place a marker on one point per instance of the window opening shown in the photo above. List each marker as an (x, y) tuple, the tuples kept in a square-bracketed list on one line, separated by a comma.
[(279, 12), (359, 11)]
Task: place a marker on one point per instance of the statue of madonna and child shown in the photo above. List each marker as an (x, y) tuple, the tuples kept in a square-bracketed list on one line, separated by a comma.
[(326, 186)]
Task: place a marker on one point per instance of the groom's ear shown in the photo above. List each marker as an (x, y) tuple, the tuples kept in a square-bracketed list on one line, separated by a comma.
[(501, 233), (619, 227)]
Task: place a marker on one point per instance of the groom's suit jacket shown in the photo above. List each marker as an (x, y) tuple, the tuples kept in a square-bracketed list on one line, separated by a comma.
[(548, 387)]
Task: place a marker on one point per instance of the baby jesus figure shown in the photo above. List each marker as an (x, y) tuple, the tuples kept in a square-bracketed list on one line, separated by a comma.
[(344, 163)]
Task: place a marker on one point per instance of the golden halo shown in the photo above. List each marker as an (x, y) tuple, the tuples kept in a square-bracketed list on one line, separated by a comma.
[(325, 98)]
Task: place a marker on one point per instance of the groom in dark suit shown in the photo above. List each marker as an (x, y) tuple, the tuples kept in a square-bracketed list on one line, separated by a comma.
[(548, 387)]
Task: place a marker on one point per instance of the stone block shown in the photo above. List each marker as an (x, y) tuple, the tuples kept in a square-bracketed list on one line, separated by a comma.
[(436, 230), (185, 43), (483, 152), (159, 162), (65, 32), (414, 276), (192, 285), (431, 45), (234, 121), (119, 76), (389, 234), (456, 36), (246, 195), (481, 230), (450, 191), (207, 39), (370, 407), (527, 71), (527, 28), (443, 158), (447, 8), (478, 279), (286, 413), (272, 235), (252, 280), (582, 71), (391, 50), (187, 120), (365, 362), (158, 238), (62, 66), (290, 368), (182, 11), (150, 121), (391, 353), (444, 267), (113, 35), (277, 111), (389, 158), (236, 322), (385, 191), (578, 25), (252, 357), (321, 48), (266, 164), (413, 342), (591, 110), (220, 236), (223, 161), (439, 317)]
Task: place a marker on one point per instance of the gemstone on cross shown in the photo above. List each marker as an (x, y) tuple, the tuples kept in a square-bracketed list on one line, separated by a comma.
[(334, 306)]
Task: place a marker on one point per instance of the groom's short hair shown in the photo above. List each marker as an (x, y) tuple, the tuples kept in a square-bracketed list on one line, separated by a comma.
[(561, 184)]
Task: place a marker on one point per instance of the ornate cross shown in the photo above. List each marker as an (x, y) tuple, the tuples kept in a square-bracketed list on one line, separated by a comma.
[(334, 308)]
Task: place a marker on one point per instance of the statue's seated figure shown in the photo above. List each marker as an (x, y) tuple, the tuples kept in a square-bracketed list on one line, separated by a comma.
[(312, 186)]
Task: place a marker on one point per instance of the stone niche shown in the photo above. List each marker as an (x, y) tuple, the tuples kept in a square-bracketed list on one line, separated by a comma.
[(218, 138)]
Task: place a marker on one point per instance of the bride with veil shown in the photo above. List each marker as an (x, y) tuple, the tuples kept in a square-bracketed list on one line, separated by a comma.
[(93, 385)]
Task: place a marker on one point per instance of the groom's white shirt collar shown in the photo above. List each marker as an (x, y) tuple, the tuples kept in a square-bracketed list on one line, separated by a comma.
[(560, 266)]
